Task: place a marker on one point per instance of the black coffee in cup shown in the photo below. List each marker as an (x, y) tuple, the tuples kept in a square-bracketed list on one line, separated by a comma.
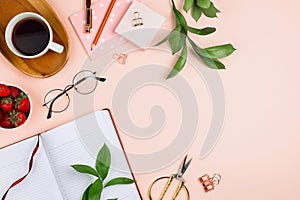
[(30, 36)]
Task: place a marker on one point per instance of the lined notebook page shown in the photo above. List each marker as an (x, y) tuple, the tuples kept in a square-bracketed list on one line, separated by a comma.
[(78, 142), (40, 184)]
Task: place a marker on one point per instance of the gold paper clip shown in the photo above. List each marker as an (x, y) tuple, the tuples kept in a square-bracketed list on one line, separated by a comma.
[(209, 183), (137, 19), (121, 58)]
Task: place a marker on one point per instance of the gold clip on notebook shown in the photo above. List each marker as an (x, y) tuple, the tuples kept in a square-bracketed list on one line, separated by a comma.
[(140, 25)]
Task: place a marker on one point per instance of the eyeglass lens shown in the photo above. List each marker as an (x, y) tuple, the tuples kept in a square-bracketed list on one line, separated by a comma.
[(60, 104), (85, 82)]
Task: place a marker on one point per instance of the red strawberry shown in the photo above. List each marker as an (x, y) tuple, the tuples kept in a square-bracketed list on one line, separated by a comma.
[(1, 115), (4, 90), (6, 122), (17, 118), (7, 104), (15, 92), (22, 103)]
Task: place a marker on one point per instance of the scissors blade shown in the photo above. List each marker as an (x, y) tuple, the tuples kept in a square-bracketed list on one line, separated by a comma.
[(184, 166)]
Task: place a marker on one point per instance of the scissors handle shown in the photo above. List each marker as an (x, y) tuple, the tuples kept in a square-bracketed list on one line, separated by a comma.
[(166, 187), (181, 184), (170, 179)]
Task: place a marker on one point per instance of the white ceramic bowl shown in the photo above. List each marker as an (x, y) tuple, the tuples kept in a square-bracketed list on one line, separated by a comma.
[(27, 115)]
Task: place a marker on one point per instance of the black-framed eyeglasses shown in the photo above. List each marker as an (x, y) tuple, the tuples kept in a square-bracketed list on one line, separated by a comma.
[(58, 100)]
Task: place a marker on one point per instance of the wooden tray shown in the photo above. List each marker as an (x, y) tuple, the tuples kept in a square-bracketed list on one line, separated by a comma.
[(48, 64)]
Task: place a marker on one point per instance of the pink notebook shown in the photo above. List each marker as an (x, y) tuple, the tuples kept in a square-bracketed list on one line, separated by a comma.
[(109, 39)]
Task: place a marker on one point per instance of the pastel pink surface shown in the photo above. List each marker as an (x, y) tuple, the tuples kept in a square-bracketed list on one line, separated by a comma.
[(258, 153), (99, 9)]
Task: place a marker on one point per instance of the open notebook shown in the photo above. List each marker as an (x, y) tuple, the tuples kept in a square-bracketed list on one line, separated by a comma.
[(52, 177)]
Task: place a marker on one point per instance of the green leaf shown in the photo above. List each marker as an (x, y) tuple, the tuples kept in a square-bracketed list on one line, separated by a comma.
[(164, 40), (199, 51), (180, 63), (220, 51), (120, 180), (180, 18), (85, 195), (213, 63), (196, 12), (85, 169), (187, 5), (176, 40), (211, 11), (178, 23), (95, 190), (205, 57), (203, 3), (103, 162), (203, 31)]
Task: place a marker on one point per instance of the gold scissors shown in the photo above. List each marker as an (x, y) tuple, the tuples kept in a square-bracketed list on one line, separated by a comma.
[(170, 178)]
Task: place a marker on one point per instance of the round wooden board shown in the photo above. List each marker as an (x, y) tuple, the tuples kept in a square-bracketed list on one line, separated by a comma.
[(48, 64)]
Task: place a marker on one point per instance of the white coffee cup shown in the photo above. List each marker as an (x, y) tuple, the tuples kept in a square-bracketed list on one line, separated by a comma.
[(9, 34)]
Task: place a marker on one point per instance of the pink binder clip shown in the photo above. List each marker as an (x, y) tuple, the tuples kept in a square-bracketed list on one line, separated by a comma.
[(209, 183), (121, 58)]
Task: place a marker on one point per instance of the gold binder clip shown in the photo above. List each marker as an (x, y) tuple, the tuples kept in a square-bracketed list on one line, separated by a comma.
[(209, 183), (137, 19), (121, 58)]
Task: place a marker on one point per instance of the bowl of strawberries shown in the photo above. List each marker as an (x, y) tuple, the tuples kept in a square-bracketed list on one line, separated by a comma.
[(15, 106)]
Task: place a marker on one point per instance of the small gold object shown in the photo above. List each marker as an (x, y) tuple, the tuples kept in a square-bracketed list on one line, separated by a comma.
[(137, 19), (209, 183), (121, 58)]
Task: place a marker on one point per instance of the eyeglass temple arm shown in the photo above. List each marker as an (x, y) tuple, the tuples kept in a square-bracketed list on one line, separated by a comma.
[(101, 79), (59, 95), (83, 79)]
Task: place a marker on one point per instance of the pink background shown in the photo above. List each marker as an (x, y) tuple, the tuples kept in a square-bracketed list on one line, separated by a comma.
[(257, 154)]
